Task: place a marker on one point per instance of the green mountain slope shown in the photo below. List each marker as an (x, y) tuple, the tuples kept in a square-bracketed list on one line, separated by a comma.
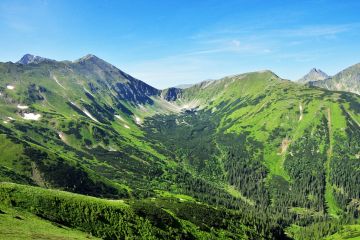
[(275, 154)]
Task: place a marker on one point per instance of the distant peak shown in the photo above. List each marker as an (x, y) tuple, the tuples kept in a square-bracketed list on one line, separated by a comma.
[(317, 70), (89, 57), (29, 58), (315, 74)]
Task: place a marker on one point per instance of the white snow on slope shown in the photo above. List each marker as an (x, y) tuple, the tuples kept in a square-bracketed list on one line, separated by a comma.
[(88, 91), (119, 117), (137, 120), (86, 112), (22, 106), (11, 87), (32, 116), (89, 115)]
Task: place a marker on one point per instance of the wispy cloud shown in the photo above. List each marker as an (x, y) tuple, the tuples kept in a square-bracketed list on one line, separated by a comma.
[(212, 52), (316, 30)]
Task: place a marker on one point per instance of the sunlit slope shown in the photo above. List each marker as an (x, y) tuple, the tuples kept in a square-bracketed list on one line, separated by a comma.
[(156, 218), (281, 144), (65, 119)]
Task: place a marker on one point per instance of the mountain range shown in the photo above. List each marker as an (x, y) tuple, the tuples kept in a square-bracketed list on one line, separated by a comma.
[(87, 146), (347, 80)]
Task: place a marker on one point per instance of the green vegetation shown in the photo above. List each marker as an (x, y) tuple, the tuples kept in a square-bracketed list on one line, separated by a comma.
[(251, 156), (17, 223)]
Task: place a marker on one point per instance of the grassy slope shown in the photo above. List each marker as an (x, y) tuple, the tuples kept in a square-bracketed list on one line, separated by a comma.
[(168, 217), (16, 223), (259, 103), (350, 232), (276, 104)]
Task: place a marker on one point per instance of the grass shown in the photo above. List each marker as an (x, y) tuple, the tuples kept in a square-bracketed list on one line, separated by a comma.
[(349, 232), (181, 197), (16, 223), (235, 193), (335, 122)]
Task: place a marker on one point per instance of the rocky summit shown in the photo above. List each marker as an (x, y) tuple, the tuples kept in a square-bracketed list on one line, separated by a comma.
[(314, 75)]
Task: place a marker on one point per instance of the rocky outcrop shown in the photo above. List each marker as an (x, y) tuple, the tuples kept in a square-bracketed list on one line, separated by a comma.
[(29, 59), (171, 94)]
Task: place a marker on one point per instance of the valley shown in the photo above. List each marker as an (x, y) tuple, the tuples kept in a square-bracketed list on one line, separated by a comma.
[(89, 148)]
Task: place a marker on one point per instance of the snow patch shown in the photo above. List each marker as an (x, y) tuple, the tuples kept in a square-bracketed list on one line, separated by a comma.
[(137, 120), (5, 122), (22, 106), (11, 119), (89, 115), (32, 116), (126, 126), (86, 112), (10, 87), (88, 92), (62, 137), (119, 117)]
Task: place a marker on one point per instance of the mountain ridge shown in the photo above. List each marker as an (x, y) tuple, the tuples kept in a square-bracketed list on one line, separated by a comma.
[(346, 80), (32, 59), (250, 144)]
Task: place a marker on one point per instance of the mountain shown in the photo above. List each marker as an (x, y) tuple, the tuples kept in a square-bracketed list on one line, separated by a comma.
[(29, 59), (184, 86), (347, 80), (249, 156), (314, 75)]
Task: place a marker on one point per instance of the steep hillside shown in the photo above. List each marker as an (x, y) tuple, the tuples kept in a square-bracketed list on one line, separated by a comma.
[(275, 155), (347, 80), (171, 217)]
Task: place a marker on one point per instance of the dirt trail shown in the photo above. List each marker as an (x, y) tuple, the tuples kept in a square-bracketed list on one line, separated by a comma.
[(56, 80), (284, 145)]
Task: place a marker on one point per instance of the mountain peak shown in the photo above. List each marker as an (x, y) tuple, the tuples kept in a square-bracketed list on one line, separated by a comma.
[(89, 58), (315, 74), (29, 58)]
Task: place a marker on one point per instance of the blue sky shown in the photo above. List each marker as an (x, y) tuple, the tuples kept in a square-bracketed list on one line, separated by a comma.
[(166, 43)]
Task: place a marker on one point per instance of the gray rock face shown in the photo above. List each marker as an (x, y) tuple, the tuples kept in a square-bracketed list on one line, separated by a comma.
[(171, 94), (314, 75), (347, 80), (127, 87), (29, 59)]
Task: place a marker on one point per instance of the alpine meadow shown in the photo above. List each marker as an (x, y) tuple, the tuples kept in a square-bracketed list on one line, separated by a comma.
[(89, 151)]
